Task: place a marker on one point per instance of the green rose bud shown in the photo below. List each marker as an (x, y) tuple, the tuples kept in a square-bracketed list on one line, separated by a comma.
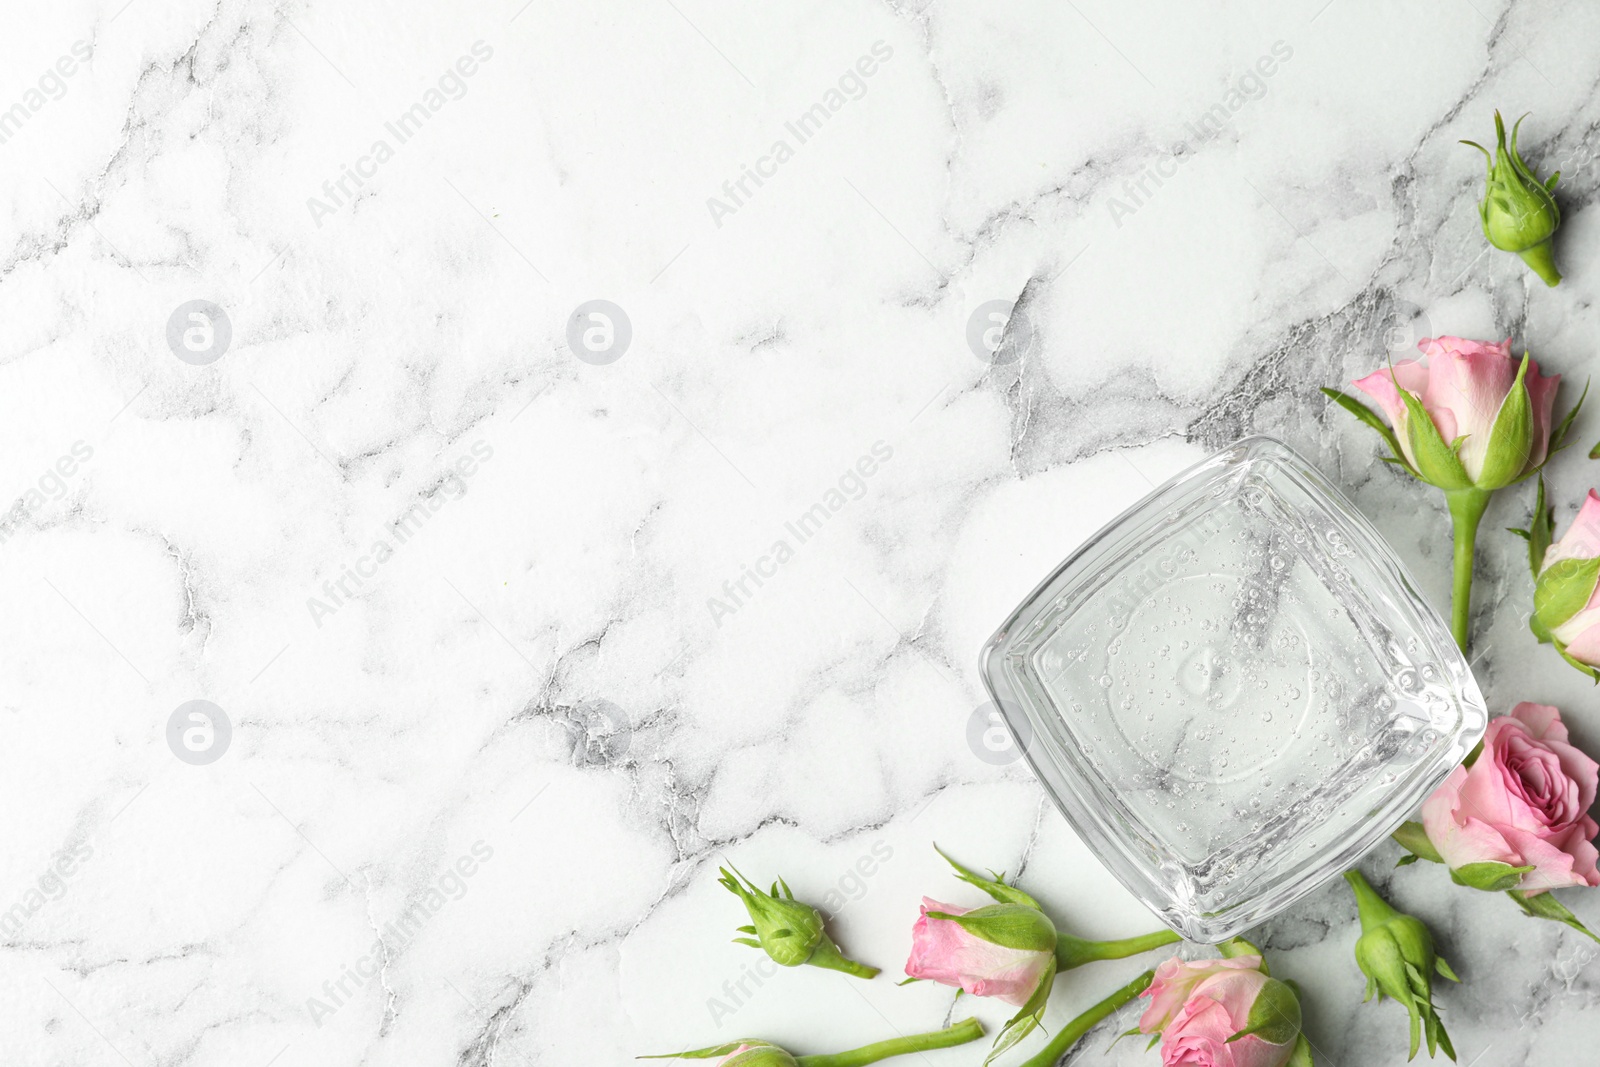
[(1518, 213), (752, 1052), (788, 930), (1395, 952)]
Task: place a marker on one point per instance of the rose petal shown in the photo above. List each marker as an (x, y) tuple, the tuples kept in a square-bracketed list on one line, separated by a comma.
[(1582, 539)]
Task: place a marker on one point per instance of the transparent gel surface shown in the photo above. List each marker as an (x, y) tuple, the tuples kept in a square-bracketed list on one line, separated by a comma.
[(1233, 690)]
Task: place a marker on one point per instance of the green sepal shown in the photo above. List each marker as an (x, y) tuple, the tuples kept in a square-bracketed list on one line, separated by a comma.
[(1564, 589), (1414, 839), (1027, 1018), (1436, 462), (1558, 436), (1235, 947), (1574, 663), (1594, 453), (1405, 861), (1375, 421), (1301, 1056), (995, 887), (1491, 876), (703, 1053), (1444, 968), (1009, 925), (1275, 1015), (1510, 437), (1546, 906)]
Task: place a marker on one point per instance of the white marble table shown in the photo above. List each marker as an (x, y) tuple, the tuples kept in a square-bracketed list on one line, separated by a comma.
[(483, 766)]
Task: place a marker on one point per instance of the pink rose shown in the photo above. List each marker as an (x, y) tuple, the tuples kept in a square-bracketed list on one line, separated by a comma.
[(1198, 1006), (1176, 979), (1462, 387), (1579, 635), (1524, 802), (942, 951)]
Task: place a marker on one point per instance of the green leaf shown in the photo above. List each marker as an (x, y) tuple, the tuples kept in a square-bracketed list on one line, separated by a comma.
[(1540, 531), (1437, 464), (1372, 419), (1546, 906), (1511, 436), (1558, 437), (996, 888), (1492, 876), (1414, 839), (1594, 453), (1563, 589), (1027, 1017)]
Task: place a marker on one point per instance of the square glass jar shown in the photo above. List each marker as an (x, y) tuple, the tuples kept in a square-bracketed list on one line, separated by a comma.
[(1233, 690)]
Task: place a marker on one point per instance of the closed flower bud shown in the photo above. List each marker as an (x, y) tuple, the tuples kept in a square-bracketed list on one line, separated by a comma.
[(787, 930), (1566, 603), (752, 1052), (1395, 952), (1518, 212)]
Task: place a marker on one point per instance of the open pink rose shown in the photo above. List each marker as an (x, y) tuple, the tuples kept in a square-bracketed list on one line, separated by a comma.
[(1198, 1006), (1462, 387), (943, 952), (1580, 634), (1524, 801)]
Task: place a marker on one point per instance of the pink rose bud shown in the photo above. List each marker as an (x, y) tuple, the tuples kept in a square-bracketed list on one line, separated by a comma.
[(1517, 819), (1222, 1013), (1472, 417), (1566, 602), (945, 951)]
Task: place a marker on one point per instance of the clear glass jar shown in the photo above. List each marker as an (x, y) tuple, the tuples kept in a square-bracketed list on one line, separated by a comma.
[(1234, 690)]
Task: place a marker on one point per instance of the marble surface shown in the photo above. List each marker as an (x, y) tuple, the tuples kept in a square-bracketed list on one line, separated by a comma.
[(481, 769)]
